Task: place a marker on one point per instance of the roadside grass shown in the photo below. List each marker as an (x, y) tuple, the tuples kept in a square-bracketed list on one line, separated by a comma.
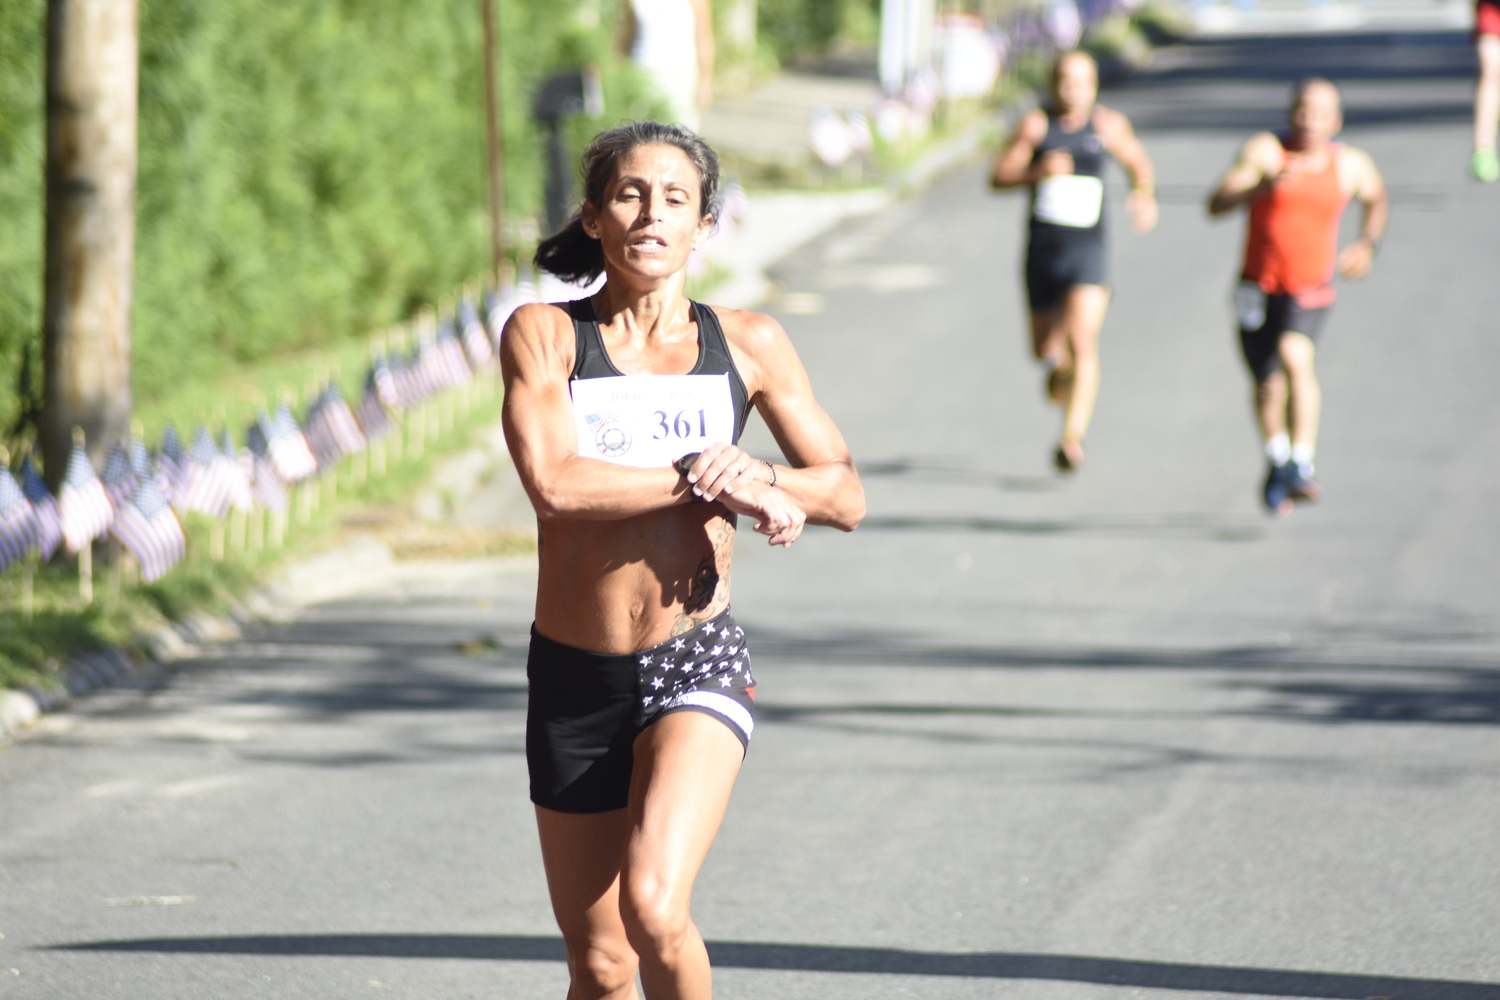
[(323, 512)]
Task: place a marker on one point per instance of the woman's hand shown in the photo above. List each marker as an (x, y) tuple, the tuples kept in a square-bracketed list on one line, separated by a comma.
[(743, 484), (723, 468)]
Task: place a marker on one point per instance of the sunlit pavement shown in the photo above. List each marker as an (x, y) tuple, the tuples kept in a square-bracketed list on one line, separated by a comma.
[(1116, 736)]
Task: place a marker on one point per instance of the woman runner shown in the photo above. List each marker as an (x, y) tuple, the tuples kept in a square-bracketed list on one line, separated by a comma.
[(1060, 156), (622, 411)]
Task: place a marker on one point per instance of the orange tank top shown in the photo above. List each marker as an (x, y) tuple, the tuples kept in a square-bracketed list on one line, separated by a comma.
[(1293, 235)]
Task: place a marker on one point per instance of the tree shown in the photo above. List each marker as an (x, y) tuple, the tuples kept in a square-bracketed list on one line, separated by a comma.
[(92, 67)]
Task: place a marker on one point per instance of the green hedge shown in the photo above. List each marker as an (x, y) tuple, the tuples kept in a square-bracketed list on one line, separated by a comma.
[(310, 170)]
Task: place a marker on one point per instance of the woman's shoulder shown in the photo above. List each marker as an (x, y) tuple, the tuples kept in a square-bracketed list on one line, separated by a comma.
[(752, 332), (544, 329)]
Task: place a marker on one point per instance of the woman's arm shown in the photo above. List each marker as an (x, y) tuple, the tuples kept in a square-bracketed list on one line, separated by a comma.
[(1013, 167), (821, 480), (1121, 141), (536, 360)]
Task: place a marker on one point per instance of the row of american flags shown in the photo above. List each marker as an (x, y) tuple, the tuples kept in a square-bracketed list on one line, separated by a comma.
[(139, 496)]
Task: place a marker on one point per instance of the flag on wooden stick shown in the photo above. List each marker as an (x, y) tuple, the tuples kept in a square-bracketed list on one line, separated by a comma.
[(148, 527), (49, 534), (83, 506)]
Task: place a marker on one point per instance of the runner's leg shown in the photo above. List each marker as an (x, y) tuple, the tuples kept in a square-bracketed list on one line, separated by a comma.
[(685, 766), (582, 855), (1084, 309), (1487, 92), (1271, 405), (1049, 343), (1305, 406)]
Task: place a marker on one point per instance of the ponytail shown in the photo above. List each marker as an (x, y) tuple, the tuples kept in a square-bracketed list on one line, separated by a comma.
[(571, 254)]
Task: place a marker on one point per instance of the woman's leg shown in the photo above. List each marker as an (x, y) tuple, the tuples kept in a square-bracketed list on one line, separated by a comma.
[(1084, 316), (582, 856), (1049, 343), (685, 766)]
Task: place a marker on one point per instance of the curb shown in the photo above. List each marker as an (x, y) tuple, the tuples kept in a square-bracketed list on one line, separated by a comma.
[(359, 563)]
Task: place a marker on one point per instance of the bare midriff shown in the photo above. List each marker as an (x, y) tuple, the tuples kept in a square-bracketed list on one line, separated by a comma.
[(623, 586)]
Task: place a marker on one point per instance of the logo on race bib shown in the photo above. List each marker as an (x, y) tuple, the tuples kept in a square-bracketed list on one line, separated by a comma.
[(612, 440)]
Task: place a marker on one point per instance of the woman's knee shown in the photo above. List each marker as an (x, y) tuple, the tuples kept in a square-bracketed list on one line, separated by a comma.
[(656, 917), (602, 969)]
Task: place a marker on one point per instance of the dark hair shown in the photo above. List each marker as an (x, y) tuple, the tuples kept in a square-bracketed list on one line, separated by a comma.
[(572, 254)]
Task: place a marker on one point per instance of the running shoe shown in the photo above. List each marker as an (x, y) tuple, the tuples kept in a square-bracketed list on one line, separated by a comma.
[(1066, 459), (1485, 165), (1299, 486), (1277, 492)]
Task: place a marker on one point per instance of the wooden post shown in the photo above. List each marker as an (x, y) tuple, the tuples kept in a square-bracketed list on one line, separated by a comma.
[(494, 134), (86, 573), (28, 599), (92, 57)]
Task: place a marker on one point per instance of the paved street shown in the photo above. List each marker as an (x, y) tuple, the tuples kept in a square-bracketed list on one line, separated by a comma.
[(1116, 736)]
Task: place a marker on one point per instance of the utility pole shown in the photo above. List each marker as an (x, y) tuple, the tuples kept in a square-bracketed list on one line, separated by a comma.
[(494, 154), (92, 65)]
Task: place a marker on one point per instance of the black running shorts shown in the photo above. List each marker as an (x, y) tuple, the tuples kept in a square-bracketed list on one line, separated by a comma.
[(1053, 268), (1278, 314), (586, 709)]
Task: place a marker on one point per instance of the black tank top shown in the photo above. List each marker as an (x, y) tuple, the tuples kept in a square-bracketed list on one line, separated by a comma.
[(1089, 157), (591, 359)]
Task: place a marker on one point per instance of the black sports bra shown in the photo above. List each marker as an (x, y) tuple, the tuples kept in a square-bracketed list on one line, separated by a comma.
[(592, 359)]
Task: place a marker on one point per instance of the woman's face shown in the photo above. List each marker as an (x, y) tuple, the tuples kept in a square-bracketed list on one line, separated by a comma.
[(649, 221)]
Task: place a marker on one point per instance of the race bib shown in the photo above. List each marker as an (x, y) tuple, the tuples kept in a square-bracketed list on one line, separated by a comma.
[(1069, 200), (650, 421), (1249, 305)]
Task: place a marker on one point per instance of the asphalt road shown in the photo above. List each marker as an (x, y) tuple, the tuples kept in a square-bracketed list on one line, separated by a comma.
[(1116, 736)]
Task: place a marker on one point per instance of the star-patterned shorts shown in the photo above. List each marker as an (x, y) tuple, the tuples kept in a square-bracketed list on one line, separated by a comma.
[(586, 709)]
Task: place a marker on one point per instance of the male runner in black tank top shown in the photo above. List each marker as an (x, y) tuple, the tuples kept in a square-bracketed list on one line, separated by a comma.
[(1060, 157)]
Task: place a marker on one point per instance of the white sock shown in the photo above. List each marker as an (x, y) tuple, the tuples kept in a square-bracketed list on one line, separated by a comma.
[(1279, 448), (1302, 454)]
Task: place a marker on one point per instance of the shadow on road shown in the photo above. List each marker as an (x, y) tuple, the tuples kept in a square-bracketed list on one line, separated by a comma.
[(820, 958), (1387, 79)]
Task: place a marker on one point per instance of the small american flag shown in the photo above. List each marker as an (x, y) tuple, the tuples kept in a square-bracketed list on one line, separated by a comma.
[(82, 504), (279, 442), (476, 339), (205, 484), (119, 477), (265, 485), (49, 533), (148, 527), (341, 422), (17, 520), (383, 382), (172, 460), (373, 420)]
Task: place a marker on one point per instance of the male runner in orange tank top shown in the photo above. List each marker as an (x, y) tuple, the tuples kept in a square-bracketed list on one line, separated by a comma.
[(1296, 186)]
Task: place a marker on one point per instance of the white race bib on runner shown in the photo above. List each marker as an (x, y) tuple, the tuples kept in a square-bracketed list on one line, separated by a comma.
[(1069, 200), (650, 421), (1249, 305)]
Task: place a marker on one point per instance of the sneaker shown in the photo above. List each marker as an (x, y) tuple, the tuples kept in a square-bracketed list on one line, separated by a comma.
[(1301, 486), (1485, 165), (1276, 492), (1067, 459)]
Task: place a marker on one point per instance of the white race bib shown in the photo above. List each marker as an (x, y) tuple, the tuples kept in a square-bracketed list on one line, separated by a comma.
[(1249, 305), (650, 421), (1069, 200)]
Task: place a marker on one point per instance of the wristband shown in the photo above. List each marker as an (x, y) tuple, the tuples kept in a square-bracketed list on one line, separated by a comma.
[(683, 466), (773, 471)]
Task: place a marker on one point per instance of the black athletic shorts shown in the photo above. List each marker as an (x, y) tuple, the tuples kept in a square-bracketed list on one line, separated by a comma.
[(1054, 267), (586, 709), (1278, 314)]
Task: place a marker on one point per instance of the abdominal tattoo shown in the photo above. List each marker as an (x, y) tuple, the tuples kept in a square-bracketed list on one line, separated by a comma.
[(708, 590), (701, 590)]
